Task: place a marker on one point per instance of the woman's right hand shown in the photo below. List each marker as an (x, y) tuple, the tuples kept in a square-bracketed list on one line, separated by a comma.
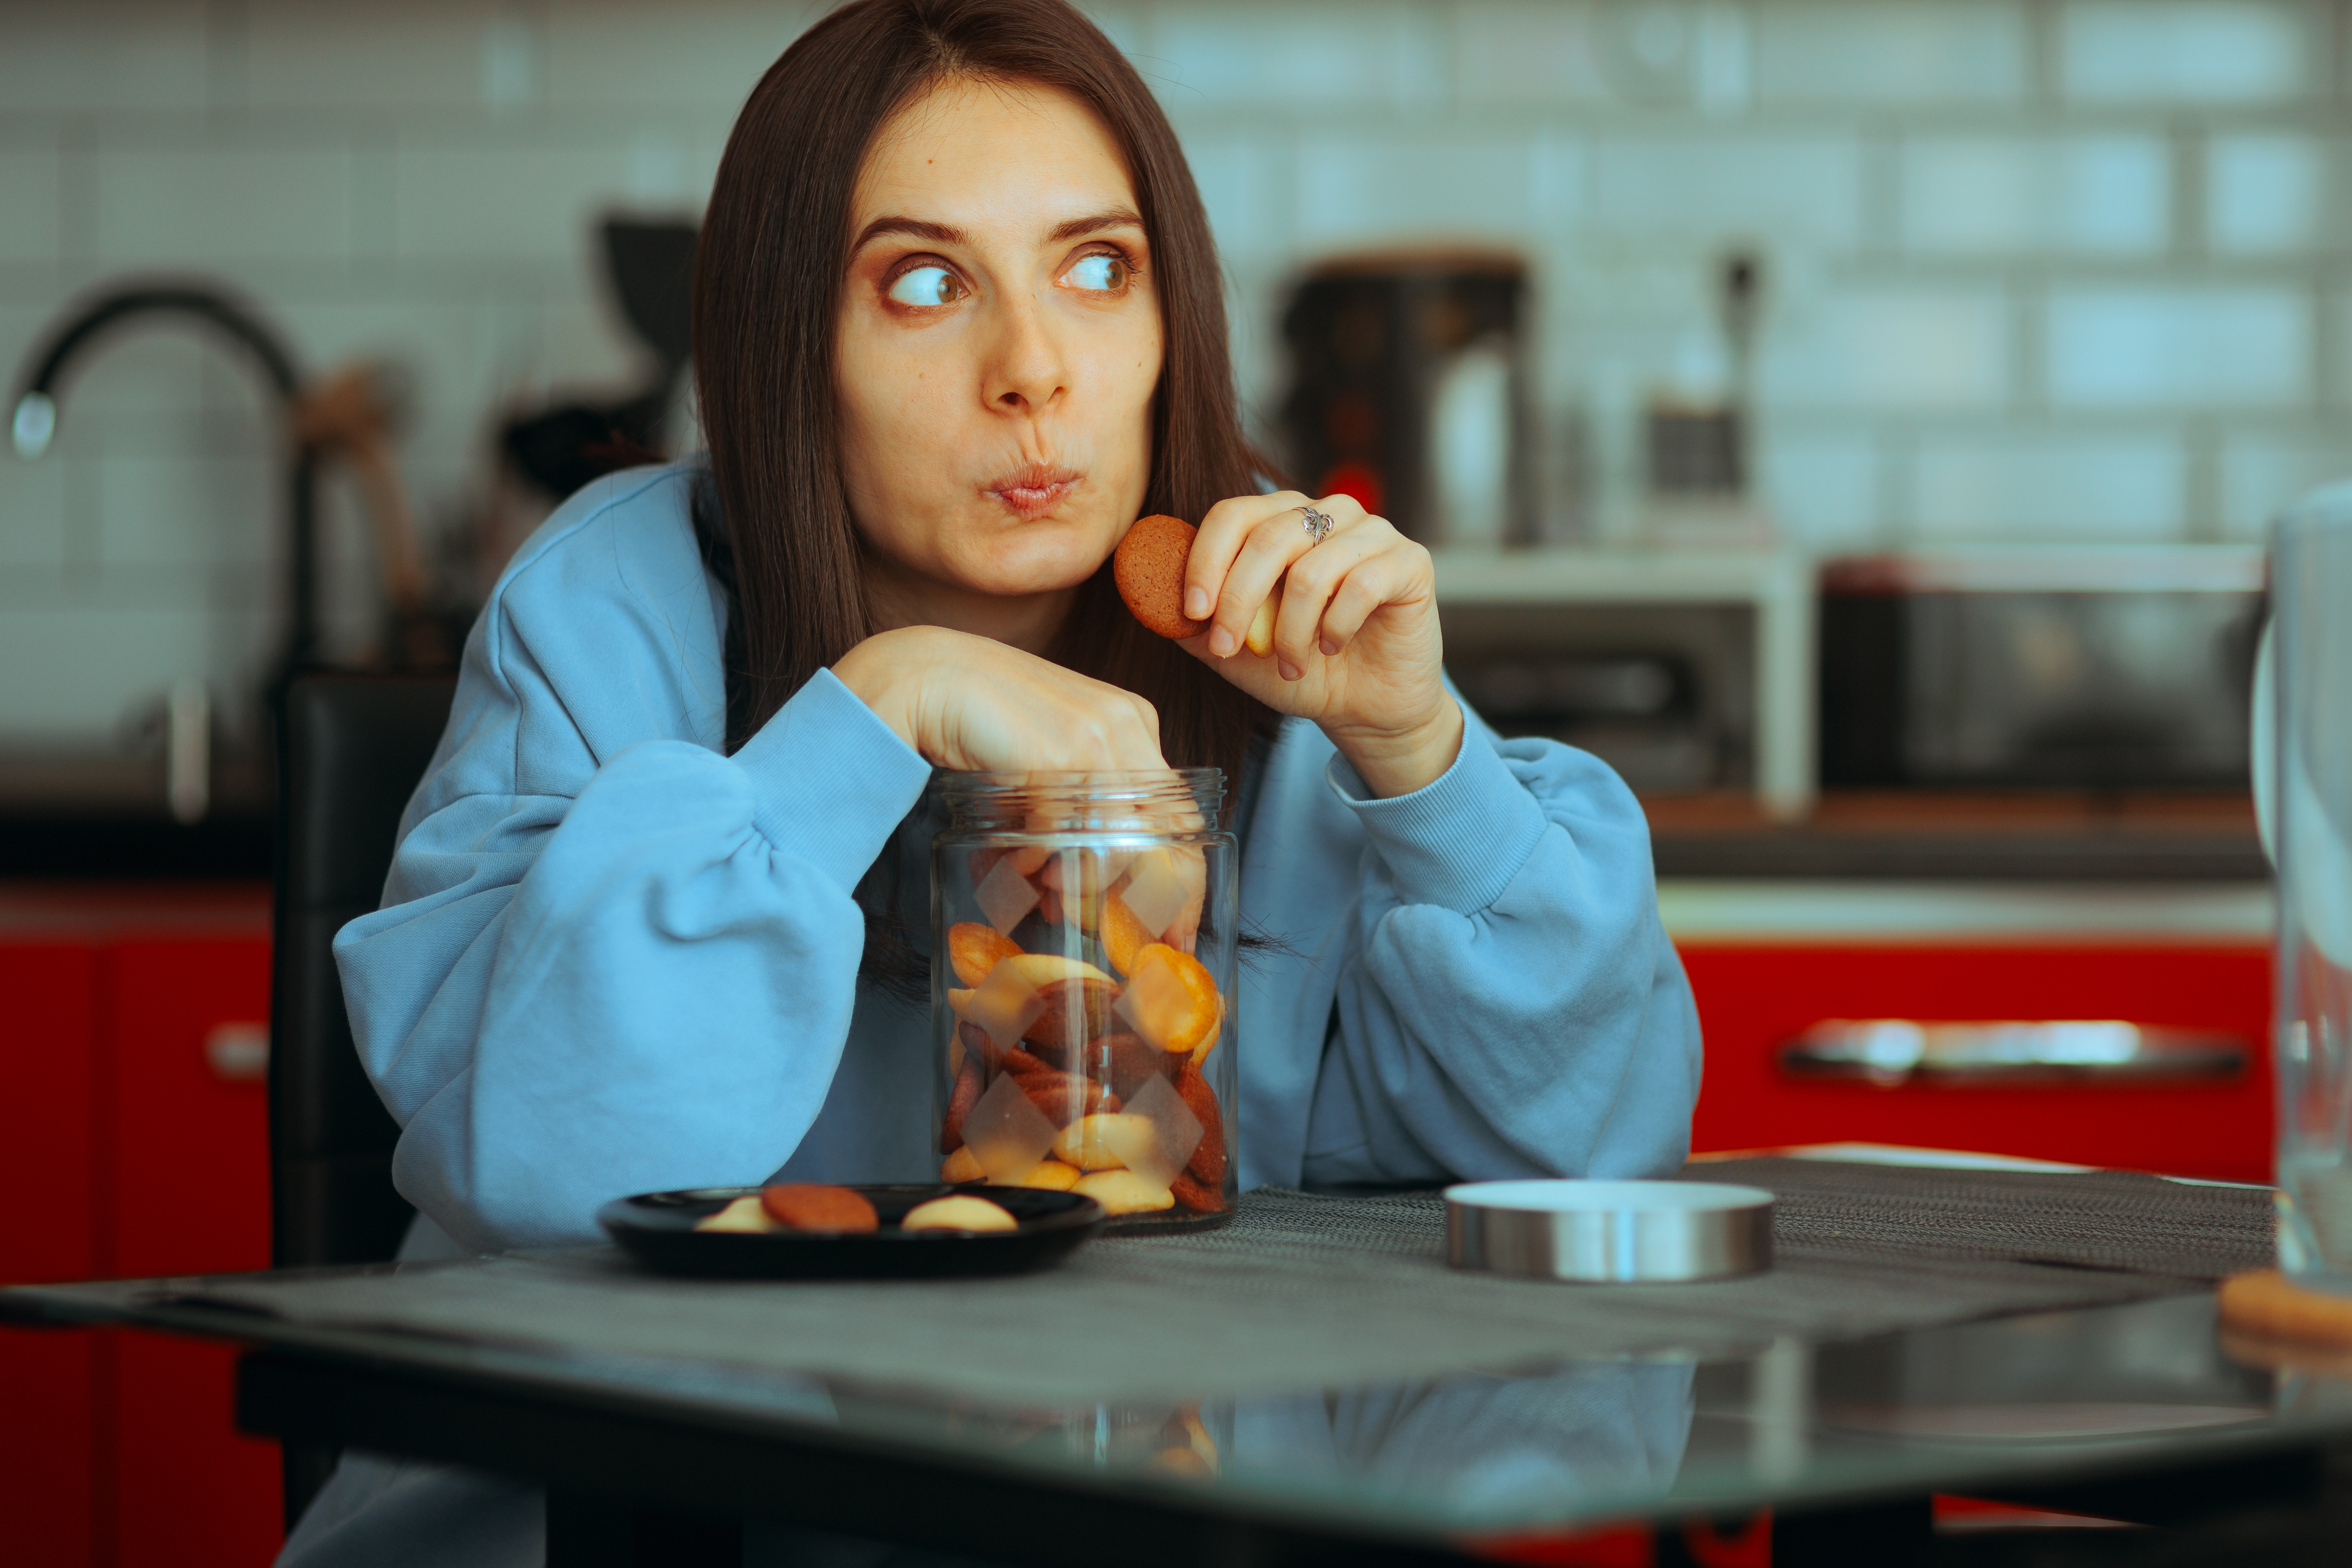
[(972, 703)]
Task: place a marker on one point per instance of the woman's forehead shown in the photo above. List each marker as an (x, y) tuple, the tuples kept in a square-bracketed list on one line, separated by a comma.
[(990, 156)]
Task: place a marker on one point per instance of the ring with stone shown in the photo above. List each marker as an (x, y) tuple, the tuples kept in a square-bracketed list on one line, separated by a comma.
[(1318, 524)]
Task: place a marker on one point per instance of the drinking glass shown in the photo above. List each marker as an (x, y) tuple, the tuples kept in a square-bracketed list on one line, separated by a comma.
[(2303, 784)]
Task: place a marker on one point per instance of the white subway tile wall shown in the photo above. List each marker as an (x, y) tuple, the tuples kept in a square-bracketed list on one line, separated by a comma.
[(2016, 195), (2033, 484), (2034, 269), (2260, 466), (1972, 53), (2159, 346), (2190, 51), (1706, 186), (1366, 187), (1910, 346), (2268, 194)]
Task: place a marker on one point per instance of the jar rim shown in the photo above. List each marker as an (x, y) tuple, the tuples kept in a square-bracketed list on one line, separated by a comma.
[(984, 781), (1077, 800)]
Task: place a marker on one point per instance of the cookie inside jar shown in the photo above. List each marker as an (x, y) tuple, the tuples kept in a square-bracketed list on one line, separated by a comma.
[(1082, 983)]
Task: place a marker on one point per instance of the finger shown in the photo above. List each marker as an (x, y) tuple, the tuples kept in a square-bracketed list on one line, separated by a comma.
[(1314, 578), (1223, 533), (1109, 730), (1266, 555), (1145, 752), (1398, 572)]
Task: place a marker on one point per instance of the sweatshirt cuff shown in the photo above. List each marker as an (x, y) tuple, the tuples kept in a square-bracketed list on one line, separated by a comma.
[(1457, 841), (831, 782)]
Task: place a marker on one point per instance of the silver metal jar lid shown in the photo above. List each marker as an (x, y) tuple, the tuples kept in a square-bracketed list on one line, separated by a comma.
[(1609, 1232)]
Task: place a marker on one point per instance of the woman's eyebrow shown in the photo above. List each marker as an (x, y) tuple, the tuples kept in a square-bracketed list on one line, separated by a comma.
[(947, 234), (919, 228), (1094, 223)]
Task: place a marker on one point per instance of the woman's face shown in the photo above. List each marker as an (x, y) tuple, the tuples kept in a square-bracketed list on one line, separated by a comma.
[(999, 345)]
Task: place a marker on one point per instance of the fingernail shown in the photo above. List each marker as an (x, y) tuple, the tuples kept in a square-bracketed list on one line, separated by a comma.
[(1330, 646), (1196, 603), (1291, 671), (1220, 642)]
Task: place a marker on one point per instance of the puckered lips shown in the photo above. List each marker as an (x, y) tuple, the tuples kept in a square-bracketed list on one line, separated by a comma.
[(1032, 490)]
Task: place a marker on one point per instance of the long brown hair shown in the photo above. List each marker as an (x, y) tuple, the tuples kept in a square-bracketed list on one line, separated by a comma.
[(767, 288)]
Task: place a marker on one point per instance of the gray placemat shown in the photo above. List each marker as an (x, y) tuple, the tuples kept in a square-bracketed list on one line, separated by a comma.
[(2096, 1219), (1303, 1293)]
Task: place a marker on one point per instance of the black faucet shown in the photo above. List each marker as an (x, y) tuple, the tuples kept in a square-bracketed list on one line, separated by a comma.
[(36, 417)]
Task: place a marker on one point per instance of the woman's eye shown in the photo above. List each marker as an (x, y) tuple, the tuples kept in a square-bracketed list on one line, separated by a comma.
[(1106, 273), (927, 286)]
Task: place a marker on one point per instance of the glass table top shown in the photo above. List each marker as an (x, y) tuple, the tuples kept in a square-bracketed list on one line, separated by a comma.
[(2038, 1397)]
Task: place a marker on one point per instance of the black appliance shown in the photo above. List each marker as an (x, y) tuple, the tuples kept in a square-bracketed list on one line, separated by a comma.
[(2056, 667), (1409, 392)]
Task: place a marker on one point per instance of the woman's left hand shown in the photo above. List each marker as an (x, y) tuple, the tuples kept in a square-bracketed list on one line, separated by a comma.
[(1356, 642)]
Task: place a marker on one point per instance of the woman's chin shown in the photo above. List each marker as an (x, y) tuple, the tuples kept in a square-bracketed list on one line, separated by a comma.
[(1041, 558)]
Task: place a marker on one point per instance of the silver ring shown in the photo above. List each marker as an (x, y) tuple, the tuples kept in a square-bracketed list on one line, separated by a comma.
[(1318, 524)]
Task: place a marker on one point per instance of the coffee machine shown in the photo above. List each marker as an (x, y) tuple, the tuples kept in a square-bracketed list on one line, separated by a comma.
[(1409, 391)]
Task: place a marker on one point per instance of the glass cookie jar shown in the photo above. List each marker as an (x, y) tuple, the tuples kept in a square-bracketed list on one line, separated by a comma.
[(1082, 977)]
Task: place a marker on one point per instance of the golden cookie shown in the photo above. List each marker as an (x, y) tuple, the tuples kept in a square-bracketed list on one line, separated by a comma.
[(962, 1211), (1150, 570)]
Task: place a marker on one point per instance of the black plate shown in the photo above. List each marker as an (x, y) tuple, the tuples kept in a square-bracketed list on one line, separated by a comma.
[(657, 1228)]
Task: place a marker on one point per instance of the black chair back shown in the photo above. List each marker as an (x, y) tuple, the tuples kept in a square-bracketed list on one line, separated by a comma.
[(350, 751)]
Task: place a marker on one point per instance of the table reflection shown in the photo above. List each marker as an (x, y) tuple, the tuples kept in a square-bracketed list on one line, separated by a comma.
[(1481, 1441)]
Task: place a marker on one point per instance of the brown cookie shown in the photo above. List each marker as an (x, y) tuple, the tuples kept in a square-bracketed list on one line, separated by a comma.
[(809, 1206), (968, 1085), (1208, 1161), (1197, 1195), (1020, 1063), (1126, 1063), (1150, 569), (1065, 1097)]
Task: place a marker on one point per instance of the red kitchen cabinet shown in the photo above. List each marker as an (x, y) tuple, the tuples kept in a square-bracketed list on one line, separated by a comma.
[(189, 1488), (48, 1388), (137, 1108), (1753, 996), (183, 1130)]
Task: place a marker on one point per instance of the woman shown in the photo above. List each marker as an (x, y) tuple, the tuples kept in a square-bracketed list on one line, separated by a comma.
[(958, 322)]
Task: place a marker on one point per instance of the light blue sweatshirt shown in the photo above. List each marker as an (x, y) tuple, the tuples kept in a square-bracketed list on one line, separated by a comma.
[(611, 959)]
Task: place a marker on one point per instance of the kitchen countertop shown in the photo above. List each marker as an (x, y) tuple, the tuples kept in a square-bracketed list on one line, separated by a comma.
[(1973, 837), (1858, 835), (1738, 910)]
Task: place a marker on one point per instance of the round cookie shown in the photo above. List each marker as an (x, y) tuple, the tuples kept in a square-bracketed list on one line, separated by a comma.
[(962, 1211), (1150, 570), (811, 1206)]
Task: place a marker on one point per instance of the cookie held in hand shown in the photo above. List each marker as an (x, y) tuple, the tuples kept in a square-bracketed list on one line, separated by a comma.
[(1150, 570)]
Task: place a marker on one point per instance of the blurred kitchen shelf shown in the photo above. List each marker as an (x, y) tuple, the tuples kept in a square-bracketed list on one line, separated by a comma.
[(1865, 913), (1777, 585), (79, 911), (118, 845), (64, 781), (102, 814), (2037, 837)]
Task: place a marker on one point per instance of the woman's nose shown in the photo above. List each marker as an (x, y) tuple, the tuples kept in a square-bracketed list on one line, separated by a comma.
[(1027, 370)]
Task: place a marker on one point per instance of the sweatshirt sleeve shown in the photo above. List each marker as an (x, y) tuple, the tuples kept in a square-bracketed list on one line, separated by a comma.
[(1508, 1003), (610, 959)]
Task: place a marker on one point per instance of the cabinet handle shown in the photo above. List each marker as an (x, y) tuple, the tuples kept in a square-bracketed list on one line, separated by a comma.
[(2088, 1051), (238, 1053)]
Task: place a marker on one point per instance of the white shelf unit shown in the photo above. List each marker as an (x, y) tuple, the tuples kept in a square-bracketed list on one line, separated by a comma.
[(1778, 586)]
